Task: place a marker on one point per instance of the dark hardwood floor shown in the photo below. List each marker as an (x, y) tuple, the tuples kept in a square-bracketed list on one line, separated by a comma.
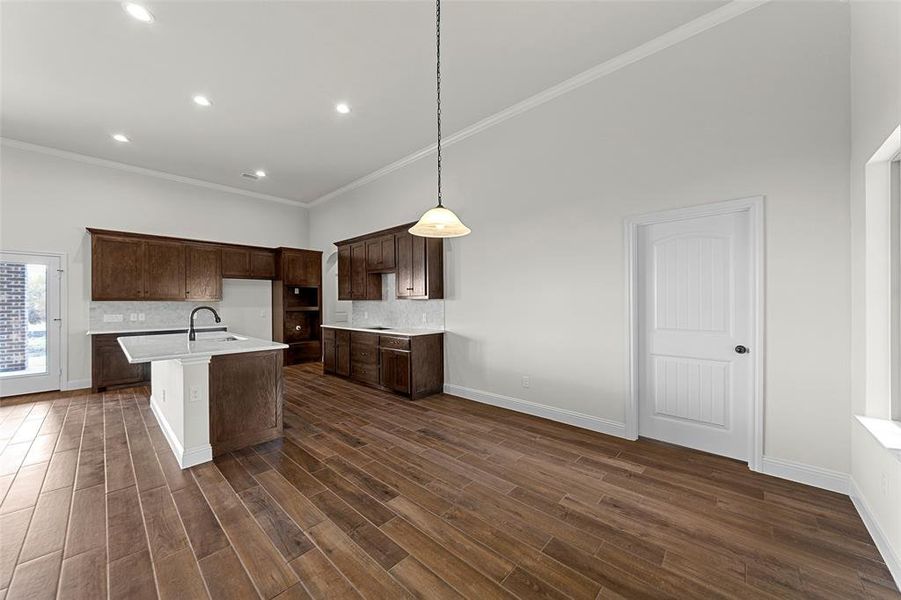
[(374, 496)]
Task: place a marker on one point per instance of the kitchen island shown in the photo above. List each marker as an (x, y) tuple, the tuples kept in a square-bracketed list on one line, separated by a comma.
[(212, 395)]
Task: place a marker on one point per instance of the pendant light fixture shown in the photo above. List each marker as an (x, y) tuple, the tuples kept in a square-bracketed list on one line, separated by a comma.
[(439, 222)]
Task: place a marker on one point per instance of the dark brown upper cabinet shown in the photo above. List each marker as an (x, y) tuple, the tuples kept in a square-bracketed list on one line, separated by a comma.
[(241, 262), (235, 262), (358, 271), (164, 270), (420, 269), (344, 282), (117, 268), (417, 262), (355, 282), (380, 254), (262, 264), (136, 266), (300, 267), (203, 272)]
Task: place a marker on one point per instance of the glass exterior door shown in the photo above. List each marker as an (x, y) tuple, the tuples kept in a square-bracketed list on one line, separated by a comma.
[(30, 323)]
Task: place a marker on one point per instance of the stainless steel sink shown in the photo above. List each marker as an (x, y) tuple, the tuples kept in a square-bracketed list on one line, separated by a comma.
[(228, 338), (379, 328)]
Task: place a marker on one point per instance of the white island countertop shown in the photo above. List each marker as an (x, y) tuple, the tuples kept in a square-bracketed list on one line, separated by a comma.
[(108, 328), (148, 348), (402, 331)]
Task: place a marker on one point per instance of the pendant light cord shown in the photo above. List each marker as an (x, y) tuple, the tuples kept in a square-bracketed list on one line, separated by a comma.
[(438, 86)]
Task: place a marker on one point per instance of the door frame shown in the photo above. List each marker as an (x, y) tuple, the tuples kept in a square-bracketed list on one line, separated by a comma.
[(63, 309), (754, 206)]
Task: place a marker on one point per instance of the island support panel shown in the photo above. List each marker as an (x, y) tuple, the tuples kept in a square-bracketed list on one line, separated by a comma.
[(245, 399)]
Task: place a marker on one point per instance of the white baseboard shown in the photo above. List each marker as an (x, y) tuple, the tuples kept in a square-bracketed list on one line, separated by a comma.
[(560, 415), (195, 456), (77, 384), (186, 458), (827, 479), (891, 558)]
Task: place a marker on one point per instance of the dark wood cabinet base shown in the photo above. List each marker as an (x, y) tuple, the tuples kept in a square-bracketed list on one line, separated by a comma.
[(412, 366), (245, 400)]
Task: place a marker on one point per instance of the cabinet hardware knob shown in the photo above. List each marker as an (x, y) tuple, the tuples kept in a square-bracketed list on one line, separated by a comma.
[(411, 289), (297, 328)]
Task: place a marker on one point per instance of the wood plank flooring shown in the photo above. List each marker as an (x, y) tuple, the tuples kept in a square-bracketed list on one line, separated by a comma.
[(371, 496)]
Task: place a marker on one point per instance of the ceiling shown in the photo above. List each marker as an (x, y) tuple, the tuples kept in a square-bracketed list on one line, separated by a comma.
[(76, 72)]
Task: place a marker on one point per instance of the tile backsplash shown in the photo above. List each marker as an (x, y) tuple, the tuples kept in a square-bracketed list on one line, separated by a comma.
[(391, 312), (156, 314)]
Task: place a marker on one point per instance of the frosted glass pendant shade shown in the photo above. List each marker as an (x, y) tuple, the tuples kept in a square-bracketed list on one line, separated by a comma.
[(439, 222)]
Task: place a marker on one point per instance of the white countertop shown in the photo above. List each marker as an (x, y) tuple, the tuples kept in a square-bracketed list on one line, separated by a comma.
[(404, 331), (148, 348), (128, 328)]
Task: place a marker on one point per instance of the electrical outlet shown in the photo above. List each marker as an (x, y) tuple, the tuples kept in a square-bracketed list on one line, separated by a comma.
[(140, 316), (526, 381), (262, 313), (195, 394), (365, 315), (424, 318), (112, 318), (133, 317)]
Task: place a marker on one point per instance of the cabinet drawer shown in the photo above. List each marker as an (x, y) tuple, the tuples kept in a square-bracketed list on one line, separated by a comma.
[(394, 342), (328, 335), (359, 338), (366, 355), (365, 372)]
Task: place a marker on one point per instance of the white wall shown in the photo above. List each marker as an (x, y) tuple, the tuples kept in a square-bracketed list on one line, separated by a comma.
[(246, 307), (756, 106), (47, 201), (875, 113)]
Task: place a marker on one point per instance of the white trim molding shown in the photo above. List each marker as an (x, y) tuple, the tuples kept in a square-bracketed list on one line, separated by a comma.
[(827, 479), (186, 458), (755, 208), (551, 413), (111, 164), (891, 558), (76, 384), (675, 36)]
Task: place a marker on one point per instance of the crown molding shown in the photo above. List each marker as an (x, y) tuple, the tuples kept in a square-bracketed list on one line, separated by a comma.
[(675, 36), (111, 164)]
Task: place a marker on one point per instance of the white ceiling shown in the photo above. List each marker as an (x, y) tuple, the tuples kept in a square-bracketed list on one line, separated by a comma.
[(75, 72)]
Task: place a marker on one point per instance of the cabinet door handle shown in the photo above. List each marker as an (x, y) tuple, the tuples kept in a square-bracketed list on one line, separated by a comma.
[(410, 289)]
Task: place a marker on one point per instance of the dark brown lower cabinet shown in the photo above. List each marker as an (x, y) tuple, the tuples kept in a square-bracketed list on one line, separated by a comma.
[(246, 394), (409, 365), (110, 367), (395, 372), (336, 351)]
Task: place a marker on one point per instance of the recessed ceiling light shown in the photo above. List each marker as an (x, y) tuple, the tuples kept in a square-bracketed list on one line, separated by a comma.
[(260, 173), (342, 108), (202, 100), (138, 12), (121, 137)]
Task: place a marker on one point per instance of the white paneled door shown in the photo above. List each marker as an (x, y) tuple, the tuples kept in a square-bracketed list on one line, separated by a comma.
[(31, 324), (694, 333)]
